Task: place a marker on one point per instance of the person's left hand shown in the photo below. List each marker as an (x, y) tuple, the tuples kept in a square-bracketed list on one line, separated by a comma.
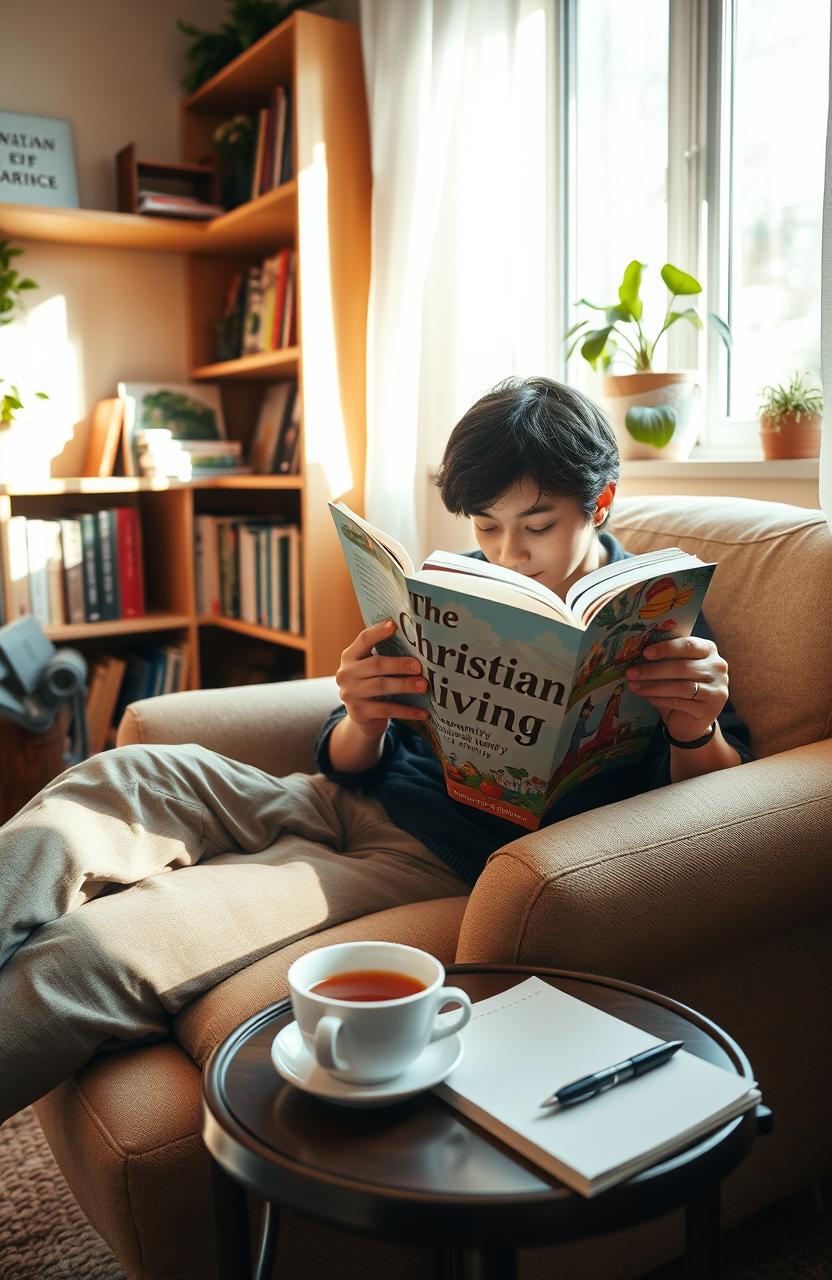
[(686, 679)]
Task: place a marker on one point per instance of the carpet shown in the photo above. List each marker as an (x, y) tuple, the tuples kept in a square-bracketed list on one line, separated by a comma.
[(45, 1236)]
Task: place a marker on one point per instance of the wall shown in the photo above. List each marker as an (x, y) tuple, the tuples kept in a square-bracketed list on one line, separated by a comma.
[(113, 69)]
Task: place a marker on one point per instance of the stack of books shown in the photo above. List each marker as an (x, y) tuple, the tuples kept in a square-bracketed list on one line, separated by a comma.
[(116, 680), (160, 454), (249, 570), (164, 205), (261, 309), (273, 147), (82, 568)]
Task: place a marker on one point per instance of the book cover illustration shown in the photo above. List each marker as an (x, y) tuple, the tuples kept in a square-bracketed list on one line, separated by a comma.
[(523, 706)]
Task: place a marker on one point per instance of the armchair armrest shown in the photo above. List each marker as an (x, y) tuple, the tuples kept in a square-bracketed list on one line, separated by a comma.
[(684, 876), (272, 726)]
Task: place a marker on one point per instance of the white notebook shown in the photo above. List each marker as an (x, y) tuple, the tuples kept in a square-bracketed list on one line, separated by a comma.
[(524, 1044)]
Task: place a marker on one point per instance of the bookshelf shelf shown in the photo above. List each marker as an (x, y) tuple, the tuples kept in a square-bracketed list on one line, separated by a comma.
[(263, 366), (252, 227), (286, 638), (326, 225), (119, 627)]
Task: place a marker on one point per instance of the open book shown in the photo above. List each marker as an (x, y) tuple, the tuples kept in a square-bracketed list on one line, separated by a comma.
[(527, 692), (522, 1045)]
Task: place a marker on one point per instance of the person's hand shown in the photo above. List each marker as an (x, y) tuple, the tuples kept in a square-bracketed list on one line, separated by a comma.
[(686, 679), (369, 682)]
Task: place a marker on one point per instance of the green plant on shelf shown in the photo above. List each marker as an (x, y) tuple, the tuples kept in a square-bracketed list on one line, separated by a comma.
[(210, 51), (796, 399)]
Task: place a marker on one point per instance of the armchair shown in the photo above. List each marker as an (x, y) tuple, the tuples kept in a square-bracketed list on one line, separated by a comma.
[(715, 890)]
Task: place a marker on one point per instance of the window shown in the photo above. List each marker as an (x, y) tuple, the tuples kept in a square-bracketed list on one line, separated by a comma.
[(696, 135)]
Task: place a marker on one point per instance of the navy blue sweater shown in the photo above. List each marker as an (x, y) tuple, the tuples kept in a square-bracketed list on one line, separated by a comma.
[(408, 781)]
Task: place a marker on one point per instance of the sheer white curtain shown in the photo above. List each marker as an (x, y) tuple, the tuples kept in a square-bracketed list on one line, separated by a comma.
[(826, 322), (461, 99)]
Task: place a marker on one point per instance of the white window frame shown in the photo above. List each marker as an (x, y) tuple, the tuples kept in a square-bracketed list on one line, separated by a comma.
[(700, 68)]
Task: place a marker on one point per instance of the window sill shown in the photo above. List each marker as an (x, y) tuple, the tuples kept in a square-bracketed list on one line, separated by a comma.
[(723, 468)]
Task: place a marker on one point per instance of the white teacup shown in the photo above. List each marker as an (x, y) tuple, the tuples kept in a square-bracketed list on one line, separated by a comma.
[(367, 1041)]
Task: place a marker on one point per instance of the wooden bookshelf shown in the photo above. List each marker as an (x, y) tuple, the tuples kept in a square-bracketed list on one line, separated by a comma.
[(324, 215)]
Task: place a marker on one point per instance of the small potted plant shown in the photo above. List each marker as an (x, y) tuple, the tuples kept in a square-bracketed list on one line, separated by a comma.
[(233, 142), (653, 414), (790, 419)]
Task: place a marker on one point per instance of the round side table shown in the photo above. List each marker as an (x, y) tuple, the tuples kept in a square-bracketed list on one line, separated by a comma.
[(418, 1171)]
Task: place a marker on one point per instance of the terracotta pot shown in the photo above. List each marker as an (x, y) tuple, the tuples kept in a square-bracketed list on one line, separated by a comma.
[(784, 437), (680, 390)]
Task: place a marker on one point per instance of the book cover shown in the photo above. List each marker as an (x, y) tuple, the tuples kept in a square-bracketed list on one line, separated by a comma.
[(281, 279), (16, 560), (38, 583), (527, 1042), (270, 422), (104, 437), (253, 317), (188, 411), (130, 562), (73, 564), (92, 567), (526, 692), (54, 572), (107, 549)]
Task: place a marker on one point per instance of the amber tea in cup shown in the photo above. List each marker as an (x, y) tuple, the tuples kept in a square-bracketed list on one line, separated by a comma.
[(368, 984)]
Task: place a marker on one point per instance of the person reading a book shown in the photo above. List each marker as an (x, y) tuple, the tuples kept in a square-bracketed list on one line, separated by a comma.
[(145, 876)]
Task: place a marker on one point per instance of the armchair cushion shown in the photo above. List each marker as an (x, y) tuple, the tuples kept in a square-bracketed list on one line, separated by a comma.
[(769, 605)]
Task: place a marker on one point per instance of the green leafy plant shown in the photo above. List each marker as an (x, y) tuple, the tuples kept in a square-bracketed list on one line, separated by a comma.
[(11, 404), (12, 288), (212, 50), (12, 284), (798, 398), (622, 338), (611, 341)]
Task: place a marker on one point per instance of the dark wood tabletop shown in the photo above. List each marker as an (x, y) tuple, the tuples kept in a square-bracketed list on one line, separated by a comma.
[(418, 1170)]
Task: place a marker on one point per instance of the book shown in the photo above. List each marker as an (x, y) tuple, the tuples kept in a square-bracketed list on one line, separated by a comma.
[(130, 563), (526, 692), (189, 411), (271, 420), (51, 530), (16, 559), (38, 581), (104, 437), (167, 206), (107, 552), (73, 567), (93, 585), (526, 1042)]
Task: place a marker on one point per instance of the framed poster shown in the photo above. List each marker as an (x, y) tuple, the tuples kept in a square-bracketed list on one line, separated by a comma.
[(189, 412), (37, 161)]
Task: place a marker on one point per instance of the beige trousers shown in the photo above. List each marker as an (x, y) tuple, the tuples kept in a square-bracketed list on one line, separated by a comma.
[(146, 875)]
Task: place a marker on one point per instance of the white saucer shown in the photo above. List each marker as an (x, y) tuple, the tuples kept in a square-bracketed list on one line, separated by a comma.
[(295, 1064)]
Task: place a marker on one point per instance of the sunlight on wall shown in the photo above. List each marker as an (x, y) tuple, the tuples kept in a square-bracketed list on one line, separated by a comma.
[(37, 355), (324, 426)]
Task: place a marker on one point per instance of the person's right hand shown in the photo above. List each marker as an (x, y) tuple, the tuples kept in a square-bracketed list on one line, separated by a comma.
[(369, 682)]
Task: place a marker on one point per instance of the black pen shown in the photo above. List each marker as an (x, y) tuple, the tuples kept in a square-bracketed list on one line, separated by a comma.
[(600, 1081)]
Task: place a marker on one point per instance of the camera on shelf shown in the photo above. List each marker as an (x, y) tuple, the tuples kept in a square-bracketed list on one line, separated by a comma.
[(37, 680)]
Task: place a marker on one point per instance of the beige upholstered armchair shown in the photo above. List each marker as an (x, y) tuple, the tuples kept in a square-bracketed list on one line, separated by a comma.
[(715, 890)]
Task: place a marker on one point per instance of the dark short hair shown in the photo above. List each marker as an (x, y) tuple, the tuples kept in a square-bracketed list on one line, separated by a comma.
[(528, 427)]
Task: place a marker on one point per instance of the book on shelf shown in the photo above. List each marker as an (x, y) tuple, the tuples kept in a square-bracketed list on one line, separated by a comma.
[(526, 692), (104, 438), (276, 411), (260, 312), (272, 152), (82, 568), (525, 1043), (249, 570)]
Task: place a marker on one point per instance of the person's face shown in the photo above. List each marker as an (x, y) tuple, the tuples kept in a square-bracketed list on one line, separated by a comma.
[(540, 535)]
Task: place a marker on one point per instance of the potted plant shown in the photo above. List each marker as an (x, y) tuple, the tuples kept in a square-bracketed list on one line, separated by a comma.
[(653, 414), (790, 419), (233, 141), (248, 22), (13, 451)]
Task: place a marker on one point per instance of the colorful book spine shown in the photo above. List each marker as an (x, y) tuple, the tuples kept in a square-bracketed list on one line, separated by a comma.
[(130, 562), (107, 550), (93, 588), (73, 569)]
